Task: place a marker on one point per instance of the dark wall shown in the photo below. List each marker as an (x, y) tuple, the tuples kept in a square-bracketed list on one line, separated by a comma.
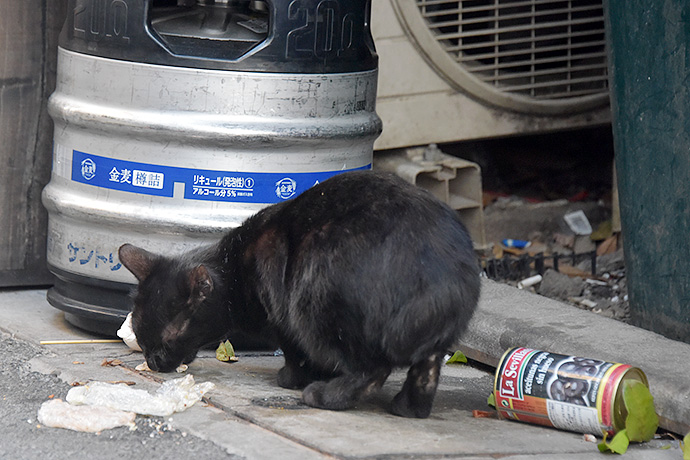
[(650, 101)]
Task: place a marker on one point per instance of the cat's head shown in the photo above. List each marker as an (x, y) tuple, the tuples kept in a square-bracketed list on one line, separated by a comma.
[(170, 317)]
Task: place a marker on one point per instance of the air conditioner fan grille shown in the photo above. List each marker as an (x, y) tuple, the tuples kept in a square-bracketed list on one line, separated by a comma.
[(538, 49)]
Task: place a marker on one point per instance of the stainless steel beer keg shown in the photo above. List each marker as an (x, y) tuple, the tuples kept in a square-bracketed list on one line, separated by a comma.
[(175, 121)]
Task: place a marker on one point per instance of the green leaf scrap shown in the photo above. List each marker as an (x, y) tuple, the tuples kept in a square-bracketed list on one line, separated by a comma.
[(685, 447), (225, 352), (491, 400), (458, 357), (642, 421), (619, 443)]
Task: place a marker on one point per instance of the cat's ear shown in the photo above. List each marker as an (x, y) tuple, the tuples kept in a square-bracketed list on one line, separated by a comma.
[(200, 283), (137, 260)]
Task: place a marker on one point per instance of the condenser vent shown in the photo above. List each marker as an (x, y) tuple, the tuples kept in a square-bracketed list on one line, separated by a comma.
[(530, 55)]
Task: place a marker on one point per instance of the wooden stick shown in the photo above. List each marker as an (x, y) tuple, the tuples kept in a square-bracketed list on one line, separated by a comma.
[(71, 342)]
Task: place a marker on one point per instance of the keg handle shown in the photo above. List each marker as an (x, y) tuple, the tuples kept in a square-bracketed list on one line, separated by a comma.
[(211, 29), (293, 36)]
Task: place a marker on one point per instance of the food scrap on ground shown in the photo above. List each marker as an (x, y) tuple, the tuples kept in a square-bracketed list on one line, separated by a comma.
[(57, 413), (589, 438), (144, 367), (126, 333), (97, 406), (173, 396), (225, 352)]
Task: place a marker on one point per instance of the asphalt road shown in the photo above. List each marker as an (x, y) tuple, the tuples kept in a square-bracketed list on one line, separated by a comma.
[(23, 392)]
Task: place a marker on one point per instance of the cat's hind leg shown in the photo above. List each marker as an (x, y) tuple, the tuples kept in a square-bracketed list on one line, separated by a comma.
[(342, 392), (417, 394)]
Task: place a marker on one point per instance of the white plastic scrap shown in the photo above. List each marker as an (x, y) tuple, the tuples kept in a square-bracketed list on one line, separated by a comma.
[(578, 223), (126, 333), (173, 396), (93, 419), (529, 282)]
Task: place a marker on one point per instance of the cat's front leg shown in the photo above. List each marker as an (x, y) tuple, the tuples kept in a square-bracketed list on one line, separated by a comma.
[(297, 372), (293, 377)]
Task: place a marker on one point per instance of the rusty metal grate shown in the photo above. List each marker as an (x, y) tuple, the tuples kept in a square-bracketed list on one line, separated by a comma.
[(539, 49), (519, 267)]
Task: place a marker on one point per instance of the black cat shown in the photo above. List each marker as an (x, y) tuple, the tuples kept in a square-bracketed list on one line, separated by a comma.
[(356, 276)]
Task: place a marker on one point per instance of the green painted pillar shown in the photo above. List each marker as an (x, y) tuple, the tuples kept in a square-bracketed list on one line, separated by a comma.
[(649, 43)]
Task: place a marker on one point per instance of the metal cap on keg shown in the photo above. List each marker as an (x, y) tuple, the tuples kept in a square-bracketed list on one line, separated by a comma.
[(292, 36)]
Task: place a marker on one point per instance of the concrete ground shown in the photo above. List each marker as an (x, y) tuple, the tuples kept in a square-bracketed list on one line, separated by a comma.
[(249, 416)]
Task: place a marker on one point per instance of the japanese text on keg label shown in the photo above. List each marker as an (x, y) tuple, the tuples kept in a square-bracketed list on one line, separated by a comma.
[(147, 179), (136, 178), (199, 184), (223, 186), (83, 255)]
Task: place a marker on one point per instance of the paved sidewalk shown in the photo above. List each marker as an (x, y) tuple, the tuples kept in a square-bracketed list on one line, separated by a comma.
[(251, 417)]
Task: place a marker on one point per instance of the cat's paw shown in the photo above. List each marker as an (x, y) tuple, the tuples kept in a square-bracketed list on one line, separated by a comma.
[(403, 407), (313, 395), (333, 395), (289, 377)]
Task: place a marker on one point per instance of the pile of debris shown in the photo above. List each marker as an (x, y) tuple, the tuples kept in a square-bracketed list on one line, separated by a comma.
[(605, 292), (564, 259)]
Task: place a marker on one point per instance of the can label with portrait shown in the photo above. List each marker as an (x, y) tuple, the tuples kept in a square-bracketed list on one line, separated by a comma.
[(566, 392)]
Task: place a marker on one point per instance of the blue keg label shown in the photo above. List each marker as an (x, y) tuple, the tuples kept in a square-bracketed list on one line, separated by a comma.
[(199, 184)]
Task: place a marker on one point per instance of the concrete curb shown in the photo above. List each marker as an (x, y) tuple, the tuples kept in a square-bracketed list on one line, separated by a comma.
[(509, 317)]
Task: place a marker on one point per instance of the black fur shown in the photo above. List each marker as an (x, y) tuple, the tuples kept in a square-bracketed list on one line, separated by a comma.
[(356, 276)]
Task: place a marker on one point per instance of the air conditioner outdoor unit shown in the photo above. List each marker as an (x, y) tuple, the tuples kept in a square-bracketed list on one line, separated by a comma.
[(452, 70)]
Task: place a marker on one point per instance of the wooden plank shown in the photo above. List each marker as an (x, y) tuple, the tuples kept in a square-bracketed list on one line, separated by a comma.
[(28, 47)]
